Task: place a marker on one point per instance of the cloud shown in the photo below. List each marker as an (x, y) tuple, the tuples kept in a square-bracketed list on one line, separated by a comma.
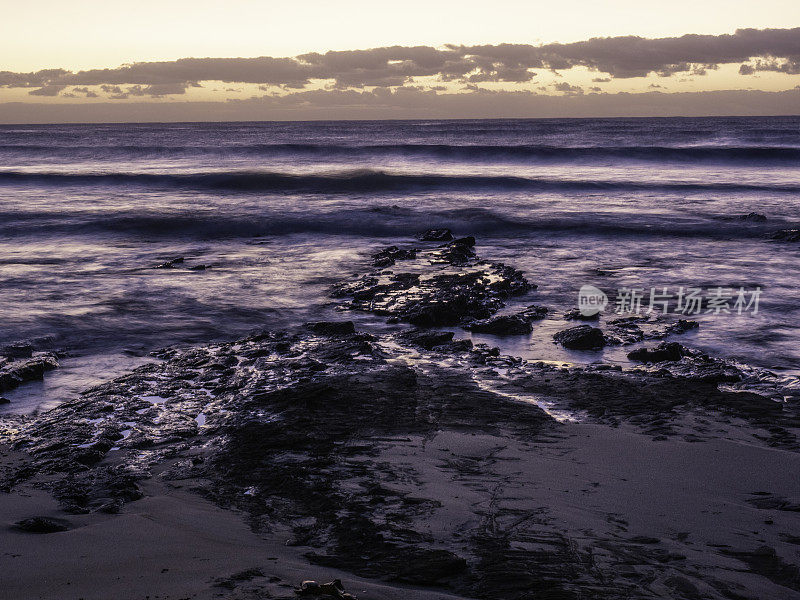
[(85, 91), (159, 90), (618, 57), (789, 66), (47, 90), (567, 88)]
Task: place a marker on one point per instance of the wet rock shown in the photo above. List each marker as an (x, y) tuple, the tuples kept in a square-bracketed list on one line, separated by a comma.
[(517, 324), (436, 235), (15, 373), (332, 589), (666, 351), (458, 252), (634, 329), (786, 235), (332, 328), (581, 337), (438, 300), (198, 268), (502, 325), (17, 350), (388, 256), (427, 339), (753, 217), (4, 400), (625, 330), (170, 263), (42, 525), (576, 315), (680, 326)]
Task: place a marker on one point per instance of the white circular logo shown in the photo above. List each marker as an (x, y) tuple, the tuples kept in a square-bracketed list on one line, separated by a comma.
[(591, 300)]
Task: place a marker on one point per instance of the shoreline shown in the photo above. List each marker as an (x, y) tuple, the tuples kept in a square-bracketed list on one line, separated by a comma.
[(409, 463), (420, 457)]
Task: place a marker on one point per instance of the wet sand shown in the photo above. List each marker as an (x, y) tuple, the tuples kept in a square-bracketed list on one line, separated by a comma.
[(671, 514)]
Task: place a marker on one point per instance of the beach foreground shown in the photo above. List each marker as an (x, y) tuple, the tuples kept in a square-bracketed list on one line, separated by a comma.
[(405, 464)]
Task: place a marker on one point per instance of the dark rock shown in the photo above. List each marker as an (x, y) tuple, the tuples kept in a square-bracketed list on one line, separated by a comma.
[(332, 328), (170, 263), (754, 217), (4, 400), (42, 525), (198, 268), (502, 325), (467, 241), (441, 300), (427, 339), (17, 350), (665, 351), (681, 326), (436, 235), (576, 315), (388, 256), (332, 589), (517, 324), (14, 374), (458, 252), (786, 235), (582, 337), (534, 312)]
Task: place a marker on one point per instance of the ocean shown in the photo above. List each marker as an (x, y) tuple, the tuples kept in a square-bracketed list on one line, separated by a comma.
[(279, 212)]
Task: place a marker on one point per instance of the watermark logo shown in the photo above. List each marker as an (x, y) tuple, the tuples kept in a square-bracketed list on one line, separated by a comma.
[(681, 300), (688, 300), (591, 300)]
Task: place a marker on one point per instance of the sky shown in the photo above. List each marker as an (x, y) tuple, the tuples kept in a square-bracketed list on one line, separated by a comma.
[(243, 59)]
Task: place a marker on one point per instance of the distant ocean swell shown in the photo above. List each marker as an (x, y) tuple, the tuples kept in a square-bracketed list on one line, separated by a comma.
[(756, 155), (365, 181), (370, 222)]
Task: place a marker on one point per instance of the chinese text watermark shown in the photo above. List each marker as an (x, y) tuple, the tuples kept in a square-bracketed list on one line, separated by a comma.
[(681, 300)]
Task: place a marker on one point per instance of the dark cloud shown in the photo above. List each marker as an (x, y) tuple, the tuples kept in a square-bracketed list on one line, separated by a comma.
[(567, 88), (158, 90), (47, 90), (629, 56), (789, 66), (85, 91)]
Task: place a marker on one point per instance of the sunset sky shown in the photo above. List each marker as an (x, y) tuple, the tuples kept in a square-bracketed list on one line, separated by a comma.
[(243, 59)]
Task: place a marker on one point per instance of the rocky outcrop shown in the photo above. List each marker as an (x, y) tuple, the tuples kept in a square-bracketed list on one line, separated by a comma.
[(666, 351), (436, 235), (14, 373), (388, 256), (581, 337), (516, 324), (449, 286)]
